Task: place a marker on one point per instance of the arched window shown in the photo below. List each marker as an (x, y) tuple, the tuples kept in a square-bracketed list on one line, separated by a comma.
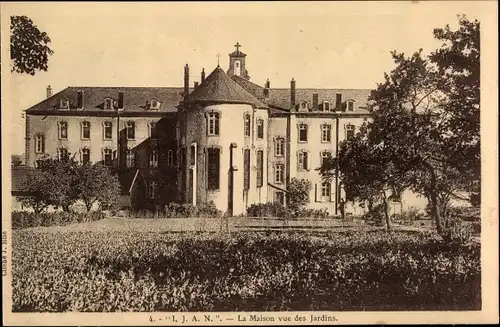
[(85, 153), (260, 128), (63, 154), (85, 130), (247, 122), (107, 157), (130, 130), (213, 124), (279, 147), (349, 129), (325, 157), (108, 130), (350, 105), (302, 133), (260, 168), (302, 160), (63, 130), (326, 133)]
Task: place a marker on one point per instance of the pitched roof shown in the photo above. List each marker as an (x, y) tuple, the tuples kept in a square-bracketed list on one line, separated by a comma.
[(219, 87), (237, 53), (18, 175), (281, 97), (252, 88), (134, 98)]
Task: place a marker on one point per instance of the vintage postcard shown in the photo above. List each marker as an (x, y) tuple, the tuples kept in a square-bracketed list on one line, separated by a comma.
[(249, 163)]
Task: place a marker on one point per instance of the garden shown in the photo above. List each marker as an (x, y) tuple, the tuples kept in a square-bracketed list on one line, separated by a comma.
[(108, 271)]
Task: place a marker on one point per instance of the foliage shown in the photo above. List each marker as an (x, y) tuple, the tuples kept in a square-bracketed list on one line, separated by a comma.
[(96, 183), (270, 209), (39, 185), (29, 50), (105, 271), (15, 160), (298, 193), (407, 217), (23, 219), (311, 213), (187, 210)]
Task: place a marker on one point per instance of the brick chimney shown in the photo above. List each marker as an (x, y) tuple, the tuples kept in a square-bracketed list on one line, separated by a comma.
[(79, 99), (202, 74), (266, 88), (186, 80), (120, 99), (196, 84), (292, 93), (338, 102), (315, 101), (49, 91)]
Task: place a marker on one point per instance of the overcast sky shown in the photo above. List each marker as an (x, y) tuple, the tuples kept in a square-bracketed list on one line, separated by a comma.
[(323, 44)]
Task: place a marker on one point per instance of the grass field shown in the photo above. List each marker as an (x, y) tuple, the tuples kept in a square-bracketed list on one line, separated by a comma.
[(155, 265)]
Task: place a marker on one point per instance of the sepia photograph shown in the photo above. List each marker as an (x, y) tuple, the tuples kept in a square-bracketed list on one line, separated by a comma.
[(249, 162)]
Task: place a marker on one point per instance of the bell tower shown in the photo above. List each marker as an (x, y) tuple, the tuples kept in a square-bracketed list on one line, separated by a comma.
[(237, 63)]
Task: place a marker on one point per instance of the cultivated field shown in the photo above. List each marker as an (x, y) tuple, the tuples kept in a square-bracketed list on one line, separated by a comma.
[(142, 265)]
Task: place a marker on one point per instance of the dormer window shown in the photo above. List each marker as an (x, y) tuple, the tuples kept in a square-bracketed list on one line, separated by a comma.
[(154, 104), (326, 105), (350, 105), (108, 104), (64, 104), (303, 106)]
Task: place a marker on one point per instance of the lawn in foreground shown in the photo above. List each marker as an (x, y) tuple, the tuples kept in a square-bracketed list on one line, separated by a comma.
[(246, 271)]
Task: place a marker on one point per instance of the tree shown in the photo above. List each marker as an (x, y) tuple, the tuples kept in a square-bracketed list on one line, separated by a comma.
[(64, 172), (298, 193), (39, 186), (29, 50), (96, 183), (366, 172), (458, 62)]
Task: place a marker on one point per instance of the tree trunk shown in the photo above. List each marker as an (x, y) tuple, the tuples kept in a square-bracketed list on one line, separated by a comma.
[(88, 206), (386, 212), (433, 199)]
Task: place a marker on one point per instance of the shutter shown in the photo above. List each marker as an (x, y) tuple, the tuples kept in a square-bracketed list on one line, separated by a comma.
[(316, 192)]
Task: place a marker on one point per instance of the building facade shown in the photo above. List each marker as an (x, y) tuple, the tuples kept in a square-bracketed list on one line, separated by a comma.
[(224, 139)]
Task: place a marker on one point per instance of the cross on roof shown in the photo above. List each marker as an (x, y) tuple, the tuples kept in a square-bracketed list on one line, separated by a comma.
[(237, 45)]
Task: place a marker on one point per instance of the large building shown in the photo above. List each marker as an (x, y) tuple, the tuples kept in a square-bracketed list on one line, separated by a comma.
[(223, 139)]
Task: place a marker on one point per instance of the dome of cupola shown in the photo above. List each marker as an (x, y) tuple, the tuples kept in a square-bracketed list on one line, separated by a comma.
[(218, 87)]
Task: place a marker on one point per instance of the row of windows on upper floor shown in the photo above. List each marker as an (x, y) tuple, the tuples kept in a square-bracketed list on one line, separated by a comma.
[(108, 155), (107, 130), (303, 164), (108, 103), (326, 106)]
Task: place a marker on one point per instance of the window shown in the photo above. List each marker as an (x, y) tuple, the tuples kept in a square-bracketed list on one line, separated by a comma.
[(213, 124), (170, 158), (279, 147), (302, 162), (39, 143), (85, 156), (302, 133), (63, 154), (108, 157), (247, 124), (108, 130), (303, 106), (326, 133), (63, 130), (130, 158), (326, 105), (350, 105), (325, 156), (130, 130), (279, 197), (246, 169), (86, 130), (152, 189), (213, 168), (279, 173), (153, 134), (260, 128), (154, 104), (153, 159), (108, 104), (326, 190), (349, 131), (64, 104), (260, 168)]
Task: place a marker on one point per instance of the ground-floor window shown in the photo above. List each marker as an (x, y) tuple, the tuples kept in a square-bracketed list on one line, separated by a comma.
[(326, 191), (279, 197), (213, 168)]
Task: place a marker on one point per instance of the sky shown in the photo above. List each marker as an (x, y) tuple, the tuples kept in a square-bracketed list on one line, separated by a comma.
[(319, 44)]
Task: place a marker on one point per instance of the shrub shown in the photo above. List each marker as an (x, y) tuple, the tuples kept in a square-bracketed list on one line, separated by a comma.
[(311, 213), (208, 210), (456, 231), (375, 216), (270, 209), (186, 210), (23, 219), (407, 217)]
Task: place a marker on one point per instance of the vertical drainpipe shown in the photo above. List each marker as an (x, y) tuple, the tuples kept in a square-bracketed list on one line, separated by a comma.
[(193, 167), (27, 150), (337, 195)]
